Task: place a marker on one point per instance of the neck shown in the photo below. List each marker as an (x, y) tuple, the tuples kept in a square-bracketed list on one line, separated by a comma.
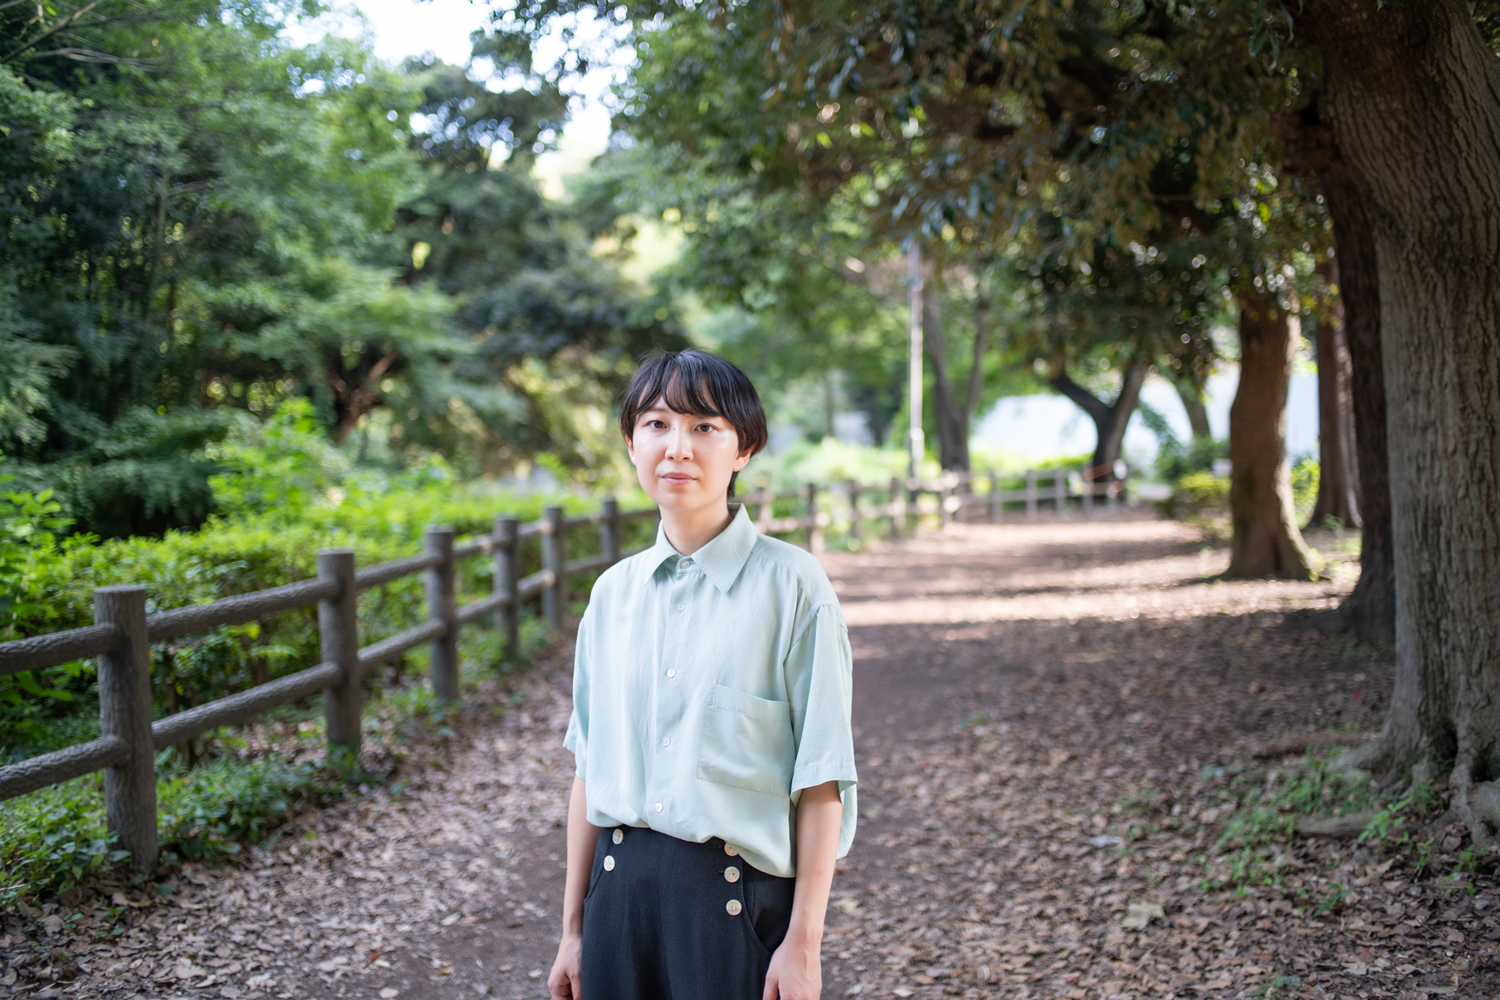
[(690, 530)]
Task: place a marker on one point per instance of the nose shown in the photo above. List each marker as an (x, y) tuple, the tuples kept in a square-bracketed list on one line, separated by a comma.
[(679, 445)]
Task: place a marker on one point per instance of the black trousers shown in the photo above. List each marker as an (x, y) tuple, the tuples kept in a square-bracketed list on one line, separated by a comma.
[(665, 919)]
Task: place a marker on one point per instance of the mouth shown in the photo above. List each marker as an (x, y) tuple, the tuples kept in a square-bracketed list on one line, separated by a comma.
[(678, 478)]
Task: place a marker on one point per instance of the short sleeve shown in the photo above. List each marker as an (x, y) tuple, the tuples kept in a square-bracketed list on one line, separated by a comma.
[(577, 737), (820, 682)]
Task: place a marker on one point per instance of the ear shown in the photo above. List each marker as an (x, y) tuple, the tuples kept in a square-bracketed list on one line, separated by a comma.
[(630, 448), (742, 459)]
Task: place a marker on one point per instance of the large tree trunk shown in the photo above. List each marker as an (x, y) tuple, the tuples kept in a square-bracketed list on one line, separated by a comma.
[(1110, 419), (1370, 610), (1338, 475), (1414, 99), (1266, 540), (954, 414)]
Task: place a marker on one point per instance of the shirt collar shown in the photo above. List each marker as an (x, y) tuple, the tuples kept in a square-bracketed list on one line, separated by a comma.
[(721, 559)]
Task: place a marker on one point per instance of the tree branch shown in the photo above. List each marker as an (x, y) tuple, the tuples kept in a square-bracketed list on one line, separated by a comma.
[(1095, 407), (59, 26)]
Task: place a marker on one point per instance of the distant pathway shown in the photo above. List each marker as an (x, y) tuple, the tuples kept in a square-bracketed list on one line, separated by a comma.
[(1024, 693)]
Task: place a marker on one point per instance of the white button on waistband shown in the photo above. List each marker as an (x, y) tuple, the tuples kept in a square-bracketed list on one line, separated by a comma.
[(733, 907), (731, 874), (609, 863), (619, 837), (731, 851)]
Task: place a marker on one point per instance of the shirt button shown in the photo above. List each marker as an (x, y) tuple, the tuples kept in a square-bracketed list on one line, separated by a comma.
[(727, 850), (609, 863), (658, 807), (619, 837), (671, 673), (680, 607), (731, 874), (733, 907), (666, 741)]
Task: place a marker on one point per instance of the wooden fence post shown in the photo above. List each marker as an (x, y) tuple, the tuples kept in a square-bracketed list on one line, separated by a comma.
[(855, 528), (943, 493), (609, 531), (1060, 491), (1031, 493), (994, 497), (338, 642), (897, 508), (554, 597), (442, 606), (125, 711), (814, 532), (507, 573)]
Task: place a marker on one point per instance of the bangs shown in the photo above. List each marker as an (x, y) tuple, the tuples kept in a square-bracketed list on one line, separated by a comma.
[(681, 393)]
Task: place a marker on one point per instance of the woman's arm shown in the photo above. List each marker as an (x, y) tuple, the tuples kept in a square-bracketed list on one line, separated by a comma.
[(566, 980), (796, 971)]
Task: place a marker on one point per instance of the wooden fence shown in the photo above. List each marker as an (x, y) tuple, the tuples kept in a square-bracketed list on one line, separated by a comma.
[(122, 633)]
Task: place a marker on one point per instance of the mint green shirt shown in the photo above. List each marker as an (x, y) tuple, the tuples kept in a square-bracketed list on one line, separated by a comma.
[(709, 690)]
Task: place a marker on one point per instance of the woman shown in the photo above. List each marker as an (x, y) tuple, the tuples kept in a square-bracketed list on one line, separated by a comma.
[(715, 778)]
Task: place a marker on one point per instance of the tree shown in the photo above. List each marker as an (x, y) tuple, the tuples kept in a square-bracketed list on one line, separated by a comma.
[(1338, 478), (1413, 98), (1265, 540)]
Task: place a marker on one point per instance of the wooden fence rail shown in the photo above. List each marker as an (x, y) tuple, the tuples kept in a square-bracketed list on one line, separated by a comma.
[(122, 633)]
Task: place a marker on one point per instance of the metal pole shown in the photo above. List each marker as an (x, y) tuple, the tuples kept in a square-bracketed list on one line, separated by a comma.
[(125, 711), (507, 573), (915, 445), (338, 641), (814, 532), (554, 596), (897, 508), (609, 531), (442, 604)]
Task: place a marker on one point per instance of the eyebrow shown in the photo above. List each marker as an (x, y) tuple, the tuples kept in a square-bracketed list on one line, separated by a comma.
[(667, 409)]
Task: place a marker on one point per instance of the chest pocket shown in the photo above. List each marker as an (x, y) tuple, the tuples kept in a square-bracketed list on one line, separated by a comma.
[(747, 742)]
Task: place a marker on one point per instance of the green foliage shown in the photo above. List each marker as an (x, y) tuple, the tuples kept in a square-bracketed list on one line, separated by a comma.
[(1202, 500), (1176, 460), (1305, 487), (54, 838), (211, 809)]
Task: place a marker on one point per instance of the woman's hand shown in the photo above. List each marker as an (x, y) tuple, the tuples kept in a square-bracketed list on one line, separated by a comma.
[(566, 980), (796, 971)]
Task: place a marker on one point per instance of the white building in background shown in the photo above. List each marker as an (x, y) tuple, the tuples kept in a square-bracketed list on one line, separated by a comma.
[(1042, 426)]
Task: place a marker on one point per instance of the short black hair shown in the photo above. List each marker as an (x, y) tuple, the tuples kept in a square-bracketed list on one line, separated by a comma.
[(701, 384)]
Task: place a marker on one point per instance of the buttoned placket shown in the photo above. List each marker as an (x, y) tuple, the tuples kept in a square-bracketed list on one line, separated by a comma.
[(677, 590)]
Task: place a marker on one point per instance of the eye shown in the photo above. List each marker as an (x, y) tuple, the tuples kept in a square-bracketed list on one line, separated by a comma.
[(706, 427)]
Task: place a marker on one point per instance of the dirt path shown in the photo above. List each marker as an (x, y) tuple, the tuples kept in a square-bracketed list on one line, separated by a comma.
[(1046, 716)]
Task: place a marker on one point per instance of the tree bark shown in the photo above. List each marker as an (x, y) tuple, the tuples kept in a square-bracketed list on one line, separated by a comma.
[(1191, 395), (954, 414), (1370, 609), (1266, 541), (1414, 100), (1338, 469), (1110, 420)]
